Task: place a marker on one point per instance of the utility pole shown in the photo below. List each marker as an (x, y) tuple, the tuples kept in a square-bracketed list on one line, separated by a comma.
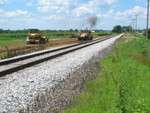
[(147, 19), (136, 23), (133, 25)]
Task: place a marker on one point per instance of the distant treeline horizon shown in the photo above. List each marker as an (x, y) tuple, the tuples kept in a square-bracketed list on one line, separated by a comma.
[(49, 31)]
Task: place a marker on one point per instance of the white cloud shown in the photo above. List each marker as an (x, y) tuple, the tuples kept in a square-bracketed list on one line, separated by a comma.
[(52, 9), (76, 7), (137, 10), (44, 9), (53, 17), (15, 13), (111, 1), (93, 6), (102, 3), (82, 10), (55, 2), (2, 20), (29, 4), (51, 6), (26, 19), (18, 13), (109, 14), (2, 2), (125, 15), (1, 11), (62, 10)]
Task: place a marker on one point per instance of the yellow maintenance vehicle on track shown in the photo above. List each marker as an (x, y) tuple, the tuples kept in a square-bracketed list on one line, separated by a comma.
[(85, 35), (35, 36)]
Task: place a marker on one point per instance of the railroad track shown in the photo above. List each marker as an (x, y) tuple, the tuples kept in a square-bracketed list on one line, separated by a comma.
[(15, 64)]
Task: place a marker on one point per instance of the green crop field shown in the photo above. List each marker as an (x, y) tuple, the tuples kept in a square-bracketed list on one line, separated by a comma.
[(123, 84), (16, 38), (12, 38)]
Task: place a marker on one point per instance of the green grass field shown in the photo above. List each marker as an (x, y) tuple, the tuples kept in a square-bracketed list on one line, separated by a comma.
[(13, 38), (123, 84), (16, 38)]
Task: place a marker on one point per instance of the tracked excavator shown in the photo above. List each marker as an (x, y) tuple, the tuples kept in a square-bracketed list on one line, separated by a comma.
[(35, 36)]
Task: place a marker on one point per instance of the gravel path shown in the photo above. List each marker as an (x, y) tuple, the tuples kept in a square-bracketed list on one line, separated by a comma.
[(33, 89)]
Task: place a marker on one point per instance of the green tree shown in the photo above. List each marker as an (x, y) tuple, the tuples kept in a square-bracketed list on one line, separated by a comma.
[(148, 33), (71, 30), (129, 28), (126, 29), (117, 29), (1, 30), (76, 30)]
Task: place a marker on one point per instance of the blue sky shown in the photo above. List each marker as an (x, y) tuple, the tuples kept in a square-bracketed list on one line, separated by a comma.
[(70, 14)]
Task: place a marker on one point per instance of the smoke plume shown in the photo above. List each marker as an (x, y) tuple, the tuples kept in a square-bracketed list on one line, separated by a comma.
[(92, 20)]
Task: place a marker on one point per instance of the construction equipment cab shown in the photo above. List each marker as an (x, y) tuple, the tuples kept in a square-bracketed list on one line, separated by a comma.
[(35, 36)]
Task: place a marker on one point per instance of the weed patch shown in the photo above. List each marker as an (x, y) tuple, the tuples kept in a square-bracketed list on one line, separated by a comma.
[(123, 84)]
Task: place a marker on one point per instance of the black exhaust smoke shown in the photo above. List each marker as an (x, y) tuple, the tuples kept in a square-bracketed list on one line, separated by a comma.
[(92, 20)]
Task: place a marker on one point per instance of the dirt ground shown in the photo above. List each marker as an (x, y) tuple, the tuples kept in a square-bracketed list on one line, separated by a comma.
[(51, 44), (128, 37)]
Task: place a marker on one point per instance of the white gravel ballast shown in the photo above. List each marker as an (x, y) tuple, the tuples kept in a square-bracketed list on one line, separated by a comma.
[(33, 89)]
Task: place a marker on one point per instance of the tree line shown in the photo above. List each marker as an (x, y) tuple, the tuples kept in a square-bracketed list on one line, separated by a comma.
[(48, 31), (26, 31), (13, 31), (120, 29), (116, 29)]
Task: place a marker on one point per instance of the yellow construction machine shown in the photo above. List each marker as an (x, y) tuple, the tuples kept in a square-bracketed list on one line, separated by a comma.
[(35, 36), (85, 35), (70, 34)]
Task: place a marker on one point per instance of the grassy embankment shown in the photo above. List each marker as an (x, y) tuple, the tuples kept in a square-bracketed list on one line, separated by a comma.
[(13, 38), (123, 86)]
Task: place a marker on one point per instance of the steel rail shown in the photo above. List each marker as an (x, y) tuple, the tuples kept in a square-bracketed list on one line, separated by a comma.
[(60, 51)]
